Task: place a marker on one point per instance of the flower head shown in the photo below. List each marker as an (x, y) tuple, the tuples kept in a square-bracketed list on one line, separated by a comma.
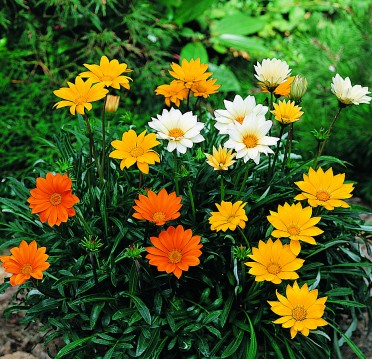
[(157, 208), (286, 112), (229, 216), (236, 112), (271, 73), (112, 103), (25, 262), (324, 189), (295, 223), (204, 88), (133, 149), (273, 262), (181, 130), (283, 89), (298, 88), (108, 73), (249, 139), (174, 92), (80, 95), (190, 72), (52, 199), (348, 94), (175, 250), (301, 310), (221, 159)]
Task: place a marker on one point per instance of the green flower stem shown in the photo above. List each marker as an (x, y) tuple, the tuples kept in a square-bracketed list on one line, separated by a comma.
[(322, 145), (175, 173), (91, 143), (191, 202), (244, 180), (93, 263), (101, 174), (83, 221), (244, 237), (222, 188), (288, 147), (272, 167)]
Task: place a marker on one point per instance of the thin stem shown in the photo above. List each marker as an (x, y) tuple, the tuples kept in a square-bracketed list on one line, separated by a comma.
[(191, 201), (321, 148), (222, 188), (271, 170), (244, 180), (101, 177), (244, 237), (288, 147), (83, 221), (91, 142), (175, 173), (93, 263)]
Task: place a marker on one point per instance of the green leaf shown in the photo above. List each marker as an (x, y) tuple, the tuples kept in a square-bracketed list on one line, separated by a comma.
[(237, 24), (240, 42), (97, 308), (194, 50), (274, 344), (252, 352), (190, 10), (141, 307), (226, 309), (348, 303), (71, 346), (233, 346), (341, 291), (225, 77)]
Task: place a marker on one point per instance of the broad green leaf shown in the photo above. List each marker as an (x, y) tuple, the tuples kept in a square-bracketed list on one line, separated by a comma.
[(348, 303), (71, 346), (240, 42), (194, 50), (225, 77), (237, 24), (141, 307), (190, 10), (94, 315), (233, 346), (252, 352)]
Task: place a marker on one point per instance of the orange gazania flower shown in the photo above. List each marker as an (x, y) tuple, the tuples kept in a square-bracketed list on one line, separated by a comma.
[(25, 262), (52, 199), (174, 92), (175, 250), (205, 88), (190, 72), (158, 208), (284, 89)]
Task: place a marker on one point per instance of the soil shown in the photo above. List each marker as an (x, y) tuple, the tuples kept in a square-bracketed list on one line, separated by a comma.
[(18, 342)]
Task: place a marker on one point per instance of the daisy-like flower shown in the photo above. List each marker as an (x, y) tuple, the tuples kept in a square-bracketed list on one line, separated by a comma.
[(221, 159), (175, 250), (286, 112), (229, 216), (284, 89), (158, 208), (190, 72), (181, 130), (133, 149), (80, 95), (25, 262), (301, 310), (249, 139), (109, 73), (295, 223), (236, 111), (273, 262), (324, 189), (204, 88), (52, 199), (174, 92), (271, 73), (348, 94)]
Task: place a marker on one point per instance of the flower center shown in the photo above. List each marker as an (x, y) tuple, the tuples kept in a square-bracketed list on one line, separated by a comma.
[(299, 313), (293, 230), (274, 268), (106, 78), (80, 100), (175, 256), (158, 217), (250, 141), (323, 196), (55, 199), (175, 132), (26, 269), (240, 119), (137, 151)]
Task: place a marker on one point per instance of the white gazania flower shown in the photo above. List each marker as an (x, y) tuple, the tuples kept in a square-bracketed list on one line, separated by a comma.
[(236, 111), (181, 130), (249, 139), (348, 94), (272, 73)]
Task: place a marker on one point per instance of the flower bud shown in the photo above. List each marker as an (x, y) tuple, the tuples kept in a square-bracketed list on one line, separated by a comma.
[(112, 103), (298, 88)]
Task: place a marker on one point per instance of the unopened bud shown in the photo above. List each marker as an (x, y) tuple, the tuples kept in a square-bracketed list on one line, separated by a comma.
[(112, 103), (298, 88)]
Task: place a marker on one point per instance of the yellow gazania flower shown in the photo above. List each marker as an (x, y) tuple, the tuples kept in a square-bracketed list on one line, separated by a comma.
[(301, 310), (80, 95), (273, 262), (109, 73), (190, 72), (286, 112), (132, 149), (112, 103), (204, 88), (174, 92), (229, 216), (284, 89), (221, 159), (324, 189), (295, 223)]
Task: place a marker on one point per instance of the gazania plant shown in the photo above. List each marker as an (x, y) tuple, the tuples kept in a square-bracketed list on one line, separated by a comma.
[(201, 234)]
